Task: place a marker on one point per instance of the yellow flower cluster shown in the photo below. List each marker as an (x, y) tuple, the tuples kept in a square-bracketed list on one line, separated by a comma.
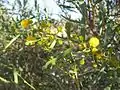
[(30, 40), (94, 42), (25, 23), (94, 50)]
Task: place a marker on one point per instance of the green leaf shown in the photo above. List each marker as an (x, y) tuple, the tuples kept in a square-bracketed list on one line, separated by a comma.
[(4, 80), (82, 62), (52, 61), (53, 44), (68, 51), (66, 6), (68, 27), (113, 62), (25, 2), (19, 3), (60, 41), (83, 10), (97, 1), (10, 43), (59, 28), (26, 82), (35, 4), (15, 74), (81, 38), (107, 88)]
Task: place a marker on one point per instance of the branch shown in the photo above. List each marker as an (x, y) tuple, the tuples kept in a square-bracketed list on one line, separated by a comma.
[(75, 21)]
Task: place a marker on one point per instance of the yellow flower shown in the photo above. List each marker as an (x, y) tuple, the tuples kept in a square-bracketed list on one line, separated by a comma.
[(30, 40), (94, 50), (94, 42), (25, 23)]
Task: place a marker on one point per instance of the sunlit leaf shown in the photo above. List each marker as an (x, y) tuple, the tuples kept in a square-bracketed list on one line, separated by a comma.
[(81, 38), (26, 82), (60, 41), (82, 62), (59, 28), (4, 80), (15, 74), (52, 61), (14, 39), (53, 44), (94, 65), (107, 88)]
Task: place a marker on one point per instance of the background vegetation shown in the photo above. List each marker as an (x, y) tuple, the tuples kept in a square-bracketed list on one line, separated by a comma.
[(41, 53)]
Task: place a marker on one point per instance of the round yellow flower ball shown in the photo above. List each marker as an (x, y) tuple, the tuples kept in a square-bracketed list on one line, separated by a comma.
[(25, 23), (94, 42)]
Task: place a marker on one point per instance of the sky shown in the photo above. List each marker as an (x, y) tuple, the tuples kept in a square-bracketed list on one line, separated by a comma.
[(50, 5)]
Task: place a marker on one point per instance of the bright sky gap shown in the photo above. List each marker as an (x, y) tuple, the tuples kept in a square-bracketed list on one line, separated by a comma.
[(50, 5)]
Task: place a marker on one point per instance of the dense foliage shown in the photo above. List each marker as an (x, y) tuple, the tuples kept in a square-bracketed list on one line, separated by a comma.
[(40, 53)]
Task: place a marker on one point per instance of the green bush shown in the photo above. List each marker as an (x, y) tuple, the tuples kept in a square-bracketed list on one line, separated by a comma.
[(38, 54)]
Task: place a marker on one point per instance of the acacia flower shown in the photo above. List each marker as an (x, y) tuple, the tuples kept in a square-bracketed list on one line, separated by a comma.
[(94, 42), (30, 40), (94, 50), (25, 23)]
